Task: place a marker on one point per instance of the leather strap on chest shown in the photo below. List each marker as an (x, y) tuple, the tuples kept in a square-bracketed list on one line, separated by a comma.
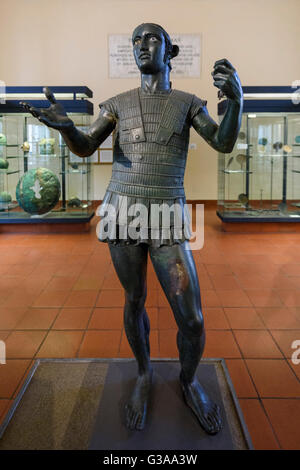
[(174, 116), (172, 119)]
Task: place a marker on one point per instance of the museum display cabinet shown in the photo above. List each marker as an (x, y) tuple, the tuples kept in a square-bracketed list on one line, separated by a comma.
[(40, 179), (260, 180)]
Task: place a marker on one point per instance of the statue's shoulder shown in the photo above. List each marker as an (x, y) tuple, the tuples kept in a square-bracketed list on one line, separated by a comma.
[(191, 102), (183, 94), (127, 95)]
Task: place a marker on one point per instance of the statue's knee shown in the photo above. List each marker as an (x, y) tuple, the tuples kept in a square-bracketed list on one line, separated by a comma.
[(136, 299), (195, 325)]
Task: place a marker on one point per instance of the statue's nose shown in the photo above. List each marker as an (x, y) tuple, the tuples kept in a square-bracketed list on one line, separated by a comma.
[(144, 44)]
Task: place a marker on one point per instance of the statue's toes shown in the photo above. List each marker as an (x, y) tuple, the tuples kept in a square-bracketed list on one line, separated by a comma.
[(140, 424), (129, 414), (215, 421)]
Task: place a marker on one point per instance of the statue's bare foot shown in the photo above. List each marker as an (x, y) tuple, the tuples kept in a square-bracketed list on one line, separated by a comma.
[(207, 412), (136, 408)]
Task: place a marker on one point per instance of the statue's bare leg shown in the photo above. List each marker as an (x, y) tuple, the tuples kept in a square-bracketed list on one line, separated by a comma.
[(176, 271), (130, 263)]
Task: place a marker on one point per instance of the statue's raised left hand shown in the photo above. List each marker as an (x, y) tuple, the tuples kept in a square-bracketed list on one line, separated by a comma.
[(227, 80)]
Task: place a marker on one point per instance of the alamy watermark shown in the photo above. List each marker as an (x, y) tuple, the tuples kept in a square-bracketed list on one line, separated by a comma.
[(2, 352), (155, 221), (296, 354)]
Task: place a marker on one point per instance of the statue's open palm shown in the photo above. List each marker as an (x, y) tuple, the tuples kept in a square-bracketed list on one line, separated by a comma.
[(55, 116)]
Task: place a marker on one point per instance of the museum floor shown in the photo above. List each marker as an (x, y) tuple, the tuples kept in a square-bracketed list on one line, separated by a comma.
[(61, 298)]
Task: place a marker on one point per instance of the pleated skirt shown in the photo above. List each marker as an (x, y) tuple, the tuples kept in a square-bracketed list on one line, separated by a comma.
[(130, 220)]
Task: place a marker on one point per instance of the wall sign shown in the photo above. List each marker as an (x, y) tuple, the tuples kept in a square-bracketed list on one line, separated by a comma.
[(186, 65)]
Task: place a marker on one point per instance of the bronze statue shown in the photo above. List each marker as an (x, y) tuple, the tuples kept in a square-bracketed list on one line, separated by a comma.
[(151, 135)]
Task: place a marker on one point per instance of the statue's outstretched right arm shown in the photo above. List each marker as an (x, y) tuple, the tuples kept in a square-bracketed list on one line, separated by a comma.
[(81, 143)]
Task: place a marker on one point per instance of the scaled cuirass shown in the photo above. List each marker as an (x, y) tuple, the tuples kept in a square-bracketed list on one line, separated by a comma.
[(150, 144)]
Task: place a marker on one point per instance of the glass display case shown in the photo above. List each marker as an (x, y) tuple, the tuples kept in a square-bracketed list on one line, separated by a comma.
[(39, 177), (260, 180)]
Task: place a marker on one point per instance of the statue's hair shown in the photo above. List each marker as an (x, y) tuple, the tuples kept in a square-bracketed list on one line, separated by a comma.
[(171, 50)]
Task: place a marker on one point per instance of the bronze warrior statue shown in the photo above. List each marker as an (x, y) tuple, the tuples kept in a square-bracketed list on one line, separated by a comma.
[(151, 135)]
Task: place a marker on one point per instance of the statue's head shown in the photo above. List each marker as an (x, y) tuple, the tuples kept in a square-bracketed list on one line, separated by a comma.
[(152, 48)]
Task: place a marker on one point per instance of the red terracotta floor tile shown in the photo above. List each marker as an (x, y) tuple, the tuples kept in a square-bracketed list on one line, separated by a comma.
[(221, 344), (285, 418), (68, 270), (260, 429), (34, 285), (273, 378), (162, 300), (216, 270), (215, 319), (233, 298), (204, 280), (4, 405), (152, 313), (18, 299), (10, 375), (257, 344), (290, 298), (45, 270), (10, 316), (60, 344), (111, 282), (253, 281), (152, 298), (111, 298), (72, 319), (23, 379), (241, 379), (4, 334), (106, 319), (225, 282), (51, 299), (285, 339), (37, 319), (60, 284), (279, 318), (209, 298), (167, 343), (88, 283), (23, 344), (103, 344), (291, 269), (20, 270), (166, 319), (295, 366), (243, 318), (264, 297), (82, 298)]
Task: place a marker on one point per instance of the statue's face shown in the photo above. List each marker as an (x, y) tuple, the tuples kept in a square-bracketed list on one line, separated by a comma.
[(149, 49)]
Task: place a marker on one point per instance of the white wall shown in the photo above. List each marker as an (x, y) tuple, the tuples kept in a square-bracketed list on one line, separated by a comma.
[(64, 42)]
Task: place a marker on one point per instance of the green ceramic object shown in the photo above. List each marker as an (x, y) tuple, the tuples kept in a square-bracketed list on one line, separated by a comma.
[(3, 164), (5, 197), (297, 139), (2, 139), (263, 141), (74, 202), (38, 191)]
